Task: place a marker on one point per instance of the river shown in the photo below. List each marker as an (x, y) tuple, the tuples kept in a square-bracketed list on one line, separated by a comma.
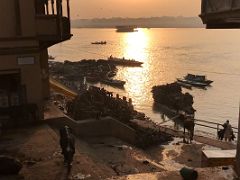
[(168, 54)]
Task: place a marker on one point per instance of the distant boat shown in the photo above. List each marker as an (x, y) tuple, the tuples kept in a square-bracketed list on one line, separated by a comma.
[(113, 82), (124, 62), (51, 57), (99, 42), (126, 29)]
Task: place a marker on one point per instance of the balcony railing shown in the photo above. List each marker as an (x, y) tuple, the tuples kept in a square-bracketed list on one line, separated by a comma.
[(52, 25)]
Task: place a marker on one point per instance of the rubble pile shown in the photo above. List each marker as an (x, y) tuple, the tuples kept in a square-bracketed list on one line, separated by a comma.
[(171, 95), (147, 137), (97, 102)]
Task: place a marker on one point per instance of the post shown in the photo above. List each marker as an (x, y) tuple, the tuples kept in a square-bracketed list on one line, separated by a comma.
[(68, 10), (237, 165), (59, 17), (52, 2), (47, 10), (18, 18)]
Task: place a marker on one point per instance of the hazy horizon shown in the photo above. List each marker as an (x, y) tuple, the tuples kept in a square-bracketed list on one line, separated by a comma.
[(82, 9)]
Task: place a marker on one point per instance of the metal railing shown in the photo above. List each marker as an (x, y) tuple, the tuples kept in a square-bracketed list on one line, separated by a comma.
[(212, 125)]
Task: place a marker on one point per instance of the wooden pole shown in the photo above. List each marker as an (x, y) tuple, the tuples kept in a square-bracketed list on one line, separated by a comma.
[(52, 2), (238, 146), (68, 9), (18, 18)]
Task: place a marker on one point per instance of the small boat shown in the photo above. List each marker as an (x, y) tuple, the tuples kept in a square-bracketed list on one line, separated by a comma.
[(193, 83), (100, 42), (113, 82), (198, 78), (124, 62)]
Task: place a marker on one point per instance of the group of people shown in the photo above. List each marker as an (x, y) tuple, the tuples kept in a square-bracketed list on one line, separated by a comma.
[(226, 133)]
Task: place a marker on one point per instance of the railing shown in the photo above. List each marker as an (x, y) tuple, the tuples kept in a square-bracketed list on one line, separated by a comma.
[(51, 7), (212, 125), (53, 26)]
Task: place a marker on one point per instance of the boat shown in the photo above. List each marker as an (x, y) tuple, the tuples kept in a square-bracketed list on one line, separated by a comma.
[(184, 85), (99, 42), (193, 83), (124, 62), (113, 82), (126, 29), (198, 78)]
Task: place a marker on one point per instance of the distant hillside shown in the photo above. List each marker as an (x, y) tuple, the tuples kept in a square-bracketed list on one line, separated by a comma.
[(153, 22)]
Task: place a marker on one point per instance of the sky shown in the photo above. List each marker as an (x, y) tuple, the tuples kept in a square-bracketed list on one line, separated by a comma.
[(133, 8)]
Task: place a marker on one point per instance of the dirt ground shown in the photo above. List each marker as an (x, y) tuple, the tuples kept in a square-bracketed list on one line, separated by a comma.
[(96, 158)]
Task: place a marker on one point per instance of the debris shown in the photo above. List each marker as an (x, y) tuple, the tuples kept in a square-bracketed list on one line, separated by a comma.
[(30, 163), (9, 165), (81, 176), (189, 174), (146, 162)]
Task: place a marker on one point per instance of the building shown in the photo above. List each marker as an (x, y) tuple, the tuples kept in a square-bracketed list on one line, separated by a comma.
[(28, 28), (221, 14)]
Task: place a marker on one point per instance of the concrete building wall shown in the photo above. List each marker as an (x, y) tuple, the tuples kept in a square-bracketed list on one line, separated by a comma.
[(236, 4), (7, 18), (26, 32), (45, 73), (27, 12), (210, 6), (30, 75)]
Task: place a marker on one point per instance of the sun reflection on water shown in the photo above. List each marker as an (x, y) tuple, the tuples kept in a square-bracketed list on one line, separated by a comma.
[(136, 47)]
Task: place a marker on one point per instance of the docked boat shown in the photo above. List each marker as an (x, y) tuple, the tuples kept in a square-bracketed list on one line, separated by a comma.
[(124, 62), (113, 82), (198, 78), (100, 42)]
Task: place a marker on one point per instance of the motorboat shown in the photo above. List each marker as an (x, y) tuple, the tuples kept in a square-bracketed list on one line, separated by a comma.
[(124, 62), (198, 78), (193, 83), (184, 85), (100, 42)]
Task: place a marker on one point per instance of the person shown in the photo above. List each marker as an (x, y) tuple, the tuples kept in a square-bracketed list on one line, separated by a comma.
[(67, 143), (227, 128)]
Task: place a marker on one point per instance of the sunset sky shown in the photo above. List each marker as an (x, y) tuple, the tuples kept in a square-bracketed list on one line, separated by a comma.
[(133, 8)]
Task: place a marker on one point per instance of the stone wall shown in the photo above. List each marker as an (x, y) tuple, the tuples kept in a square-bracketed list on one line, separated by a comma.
[(97, 128)]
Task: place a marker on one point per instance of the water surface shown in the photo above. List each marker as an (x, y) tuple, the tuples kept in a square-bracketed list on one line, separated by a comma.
[(168, 54)]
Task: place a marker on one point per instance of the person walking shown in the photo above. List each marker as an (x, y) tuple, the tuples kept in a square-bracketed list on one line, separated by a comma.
[(67, 143), (227, 131)]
